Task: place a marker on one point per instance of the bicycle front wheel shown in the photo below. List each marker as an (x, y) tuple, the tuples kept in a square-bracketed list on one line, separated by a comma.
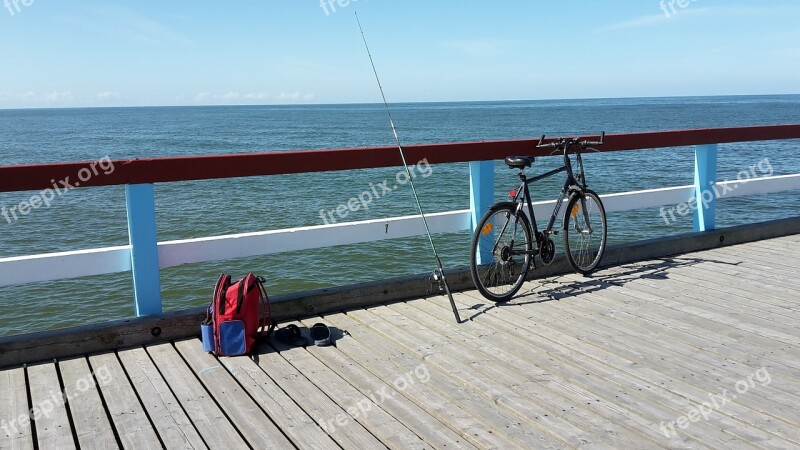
[(585, 231), (501, 252)]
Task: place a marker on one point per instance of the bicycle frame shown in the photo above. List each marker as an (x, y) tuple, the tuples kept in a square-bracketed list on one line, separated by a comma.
[(570, 185)]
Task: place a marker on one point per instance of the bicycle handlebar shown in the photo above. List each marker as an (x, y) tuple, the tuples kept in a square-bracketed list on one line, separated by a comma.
[(564, 143)]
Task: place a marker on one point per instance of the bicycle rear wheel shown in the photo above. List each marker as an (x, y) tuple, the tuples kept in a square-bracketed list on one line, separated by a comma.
[(501, 252), (585, 242)]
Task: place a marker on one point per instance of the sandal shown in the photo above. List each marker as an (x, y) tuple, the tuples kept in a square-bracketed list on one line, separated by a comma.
[(291, 335), (321, 334)]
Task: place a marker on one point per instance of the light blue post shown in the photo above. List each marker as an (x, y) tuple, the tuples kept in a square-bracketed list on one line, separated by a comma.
[(140, 200), (481, 193), (705, 183)]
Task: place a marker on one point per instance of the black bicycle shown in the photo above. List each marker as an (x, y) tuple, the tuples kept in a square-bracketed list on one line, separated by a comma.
[(503, 244)]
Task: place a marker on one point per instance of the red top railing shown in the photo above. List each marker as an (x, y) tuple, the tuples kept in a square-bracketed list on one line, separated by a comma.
[(157, 170)]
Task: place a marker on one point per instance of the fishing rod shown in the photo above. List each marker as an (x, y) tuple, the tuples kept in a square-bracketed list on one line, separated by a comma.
[(438, 274)]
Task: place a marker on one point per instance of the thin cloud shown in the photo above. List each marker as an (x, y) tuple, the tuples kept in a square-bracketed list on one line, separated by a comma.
[(105, 96), (296, 95)]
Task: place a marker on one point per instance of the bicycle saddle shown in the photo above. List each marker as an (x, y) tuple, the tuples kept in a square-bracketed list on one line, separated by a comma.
[(519, 162)]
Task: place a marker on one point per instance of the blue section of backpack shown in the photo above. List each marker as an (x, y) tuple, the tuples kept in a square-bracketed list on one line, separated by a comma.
[(232, 338)]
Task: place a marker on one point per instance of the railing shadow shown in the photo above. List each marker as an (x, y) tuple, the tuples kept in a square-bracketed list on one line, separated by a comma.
[(560, 287)]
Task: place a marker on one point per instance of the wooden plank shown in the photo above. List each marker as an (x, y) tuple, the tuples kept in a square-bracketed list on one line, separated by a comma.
[(662, 390), (722, 340), (15, 434), (418, 420), (48, 408), (774, 413), (698, 374), (127, 414), (628, 402), (715, 288), (92, 426), (170, 420), (469, 416), (207, 418), (528, 391), (656, 342), (380, 423), (469, 413), (288, 416), (605, 421), (713, 316), (348, 434), (251, 421)]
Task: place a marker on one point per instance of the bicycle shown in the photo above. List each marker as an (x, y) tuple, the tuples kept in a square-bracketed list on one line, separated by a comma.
[(502, 244)]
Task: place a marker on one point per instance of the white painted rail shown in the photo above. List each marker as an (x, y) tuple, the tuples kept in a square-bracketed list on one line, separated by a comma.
[(79, 263)]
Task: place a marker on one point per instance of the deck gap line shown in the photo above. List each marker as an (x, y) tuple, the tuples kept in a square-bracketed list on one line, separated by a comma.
[(299, 406), (701, 366), (139, 398), (174, 395), (67, 406), (618, 369), (247, 392), (689, 333), (465, 435), (344, 408), (559, 388), (30, 408), (210, 395), (667, 376), (439, 391), (733, 359), (541, 428), (103, 402), (709, 316), (367, 394)]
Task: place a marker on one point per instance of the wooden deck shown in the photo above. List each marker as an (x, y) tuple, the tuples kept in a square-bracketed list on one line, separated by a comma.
[(695, 351)]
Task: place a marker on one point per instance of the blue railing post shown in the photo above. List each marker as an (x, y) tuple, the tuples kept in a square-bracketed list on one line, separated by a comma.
[(481, 193), (705, 193), (140, 201)]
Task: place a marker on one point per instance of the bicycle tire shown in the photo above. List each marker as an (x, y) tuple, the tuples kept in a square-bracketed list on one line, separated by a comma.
[(491, 278), (582, 254)]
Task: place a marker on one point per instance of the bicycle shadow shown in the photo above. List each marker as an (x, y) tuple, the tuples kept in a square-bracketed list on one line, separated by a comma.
[(559, 287)]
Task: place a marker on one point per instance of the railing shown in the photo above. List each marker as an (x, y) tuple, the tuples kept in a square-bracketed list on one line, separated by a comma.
[(145, 257)]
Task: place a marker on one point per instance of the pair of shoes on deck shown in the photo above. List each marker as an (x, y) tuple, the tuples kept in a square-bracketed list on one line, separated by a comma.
[(293, 335)]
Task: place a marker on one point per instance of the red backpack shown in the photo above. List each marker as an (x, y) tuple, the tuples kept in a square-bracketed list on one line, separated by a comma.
[(240, 313)]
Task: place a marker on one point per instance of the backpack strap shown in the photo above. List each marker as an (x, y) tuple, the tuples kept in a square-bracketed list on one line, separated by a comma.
[(218, 305), (220, 288), (266, 309), (242, 292)]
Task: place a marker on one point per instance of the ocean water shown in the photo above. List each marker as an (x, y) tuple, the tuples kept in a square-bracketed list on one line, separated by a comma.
[(95, 217)]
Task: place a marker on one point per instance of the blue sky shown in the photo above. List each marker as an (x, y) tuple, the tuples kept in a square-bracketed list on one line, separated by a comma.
[(128, 53)]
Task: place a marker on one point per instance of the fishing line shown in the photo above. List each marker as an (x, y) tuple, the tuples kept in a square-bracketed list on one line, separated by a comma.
[(439, 273)]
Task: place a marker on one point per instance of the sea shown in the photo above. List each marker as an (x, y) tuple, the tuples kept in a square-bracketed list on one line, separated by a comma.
[(96, 217)]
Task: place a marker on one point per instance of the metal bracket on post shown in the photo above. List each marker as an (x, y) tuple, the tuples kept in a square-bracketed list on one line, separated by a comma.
[(140, 201), (481, 193), (705, 189)]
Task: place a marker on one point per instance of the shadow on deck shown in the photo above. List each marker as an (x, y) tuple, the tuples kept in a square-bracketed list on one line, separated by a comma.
[(698, 350)]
